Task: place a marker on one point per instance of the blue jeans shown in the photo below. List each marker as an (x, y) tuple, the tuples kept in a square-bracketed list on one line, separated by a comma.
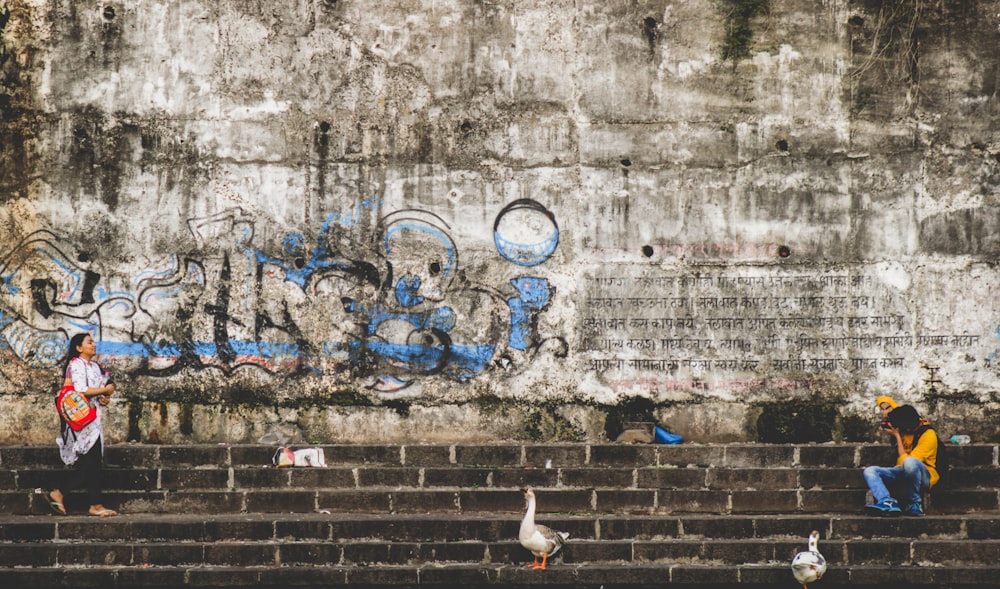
[(906, 482)]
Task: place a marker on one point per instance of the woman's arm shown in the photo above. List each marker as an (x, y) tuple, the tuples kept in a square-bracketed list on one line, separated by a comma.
[(78, 378)]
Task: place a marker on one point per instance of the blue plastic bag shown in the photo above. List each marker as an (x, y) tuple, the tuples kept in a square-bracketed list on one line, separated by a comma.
[(662, 436)]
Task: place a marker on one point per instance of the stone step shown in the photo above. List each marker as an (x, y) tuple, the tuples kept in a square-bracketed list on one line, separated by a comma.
[(715, 479), (187, 550), (334, 477), (447, 516), (445, 575), (900, 552), (496, 500), (514, 455), (335, 527)]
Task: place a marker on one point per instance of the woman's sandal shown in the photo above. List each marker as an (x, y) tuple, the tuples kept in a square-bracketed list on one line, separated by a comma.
[(104, 513), (57, 507)]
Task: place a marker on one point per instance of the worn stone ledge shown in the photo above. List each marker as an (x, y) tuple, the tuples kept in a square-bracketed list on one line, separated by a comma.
[(587, 576), (734, 455)]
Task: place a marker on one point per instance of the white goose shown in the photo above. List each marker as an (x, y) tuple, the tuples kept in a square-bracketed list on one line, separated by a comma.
[(542, 541), (809, 565)]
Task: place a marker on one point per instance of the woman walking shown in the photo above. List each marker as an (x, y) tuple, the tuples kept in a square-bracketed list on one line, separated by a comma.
[(84, 449)]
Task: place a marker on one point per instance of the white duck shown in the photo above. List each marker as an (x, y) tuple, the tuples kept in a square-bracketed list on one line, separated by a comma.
[(542, 541), (809, 565)]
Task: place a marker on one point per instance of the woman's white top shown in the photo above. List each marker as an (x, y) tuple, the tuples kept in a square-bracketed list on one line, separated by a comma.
[(85, 375)]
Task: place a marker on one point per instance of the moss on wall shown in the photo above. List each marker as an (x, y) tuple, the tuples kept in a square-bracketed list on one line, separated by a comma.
[(740, 16), (545, 424)]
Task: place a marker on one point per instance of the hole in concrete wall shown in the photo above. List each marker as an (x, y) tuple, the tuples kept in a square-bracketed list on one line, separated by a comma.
[(632, 409), (856, 21), (435, 268), (83, 257), (626, 162), (324, 127), (784, 251), (402, 408), (647, 250), (299, 263), (857, 429), (465, 127), (782, 145), (109, 12), (796, 422)]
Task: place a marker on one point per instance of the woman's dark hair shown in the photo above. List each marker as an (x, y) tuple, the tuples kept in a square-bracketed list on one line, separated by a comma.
[(75, 342), (904, 417)]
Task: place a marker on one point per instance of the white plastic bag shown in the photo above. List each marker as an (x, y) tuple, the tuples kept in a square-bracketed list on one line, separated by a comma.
[(310, 457)]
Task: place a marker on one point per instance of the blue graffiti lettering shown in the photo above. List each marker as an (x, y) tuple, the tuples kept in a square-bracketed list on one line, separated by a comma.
[(533, 296), (408, 291)]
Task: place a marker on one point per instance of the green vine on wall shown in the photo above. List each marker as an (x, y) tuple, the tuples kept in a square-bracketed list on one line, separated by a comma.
[(4, 19), (887, 44), (739, 15)]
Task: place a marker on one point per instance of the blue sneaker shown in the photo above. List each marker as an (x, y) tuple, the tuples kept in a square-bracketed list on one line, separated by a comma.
[(884, 508), (915, 510)]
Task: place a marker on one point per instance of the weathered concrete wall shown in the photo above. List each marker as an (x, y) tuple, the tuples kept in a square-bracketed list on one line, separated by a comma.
[(468, 220)]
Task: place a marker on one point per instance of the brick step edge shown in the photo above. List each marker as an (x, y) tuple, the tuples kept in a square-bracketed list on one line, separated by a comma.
[(520, 454), (450, 527), (369, 552), (605, 502), (510, 576)]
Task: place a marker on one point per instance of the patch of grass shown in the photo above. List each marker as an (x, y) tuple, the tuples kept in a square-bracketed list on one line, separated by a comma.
[(546, 425)]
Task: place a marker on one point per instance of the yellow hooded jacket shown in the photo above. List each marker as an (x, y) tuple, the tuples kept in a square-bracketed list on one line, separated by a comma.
[(926, 450)]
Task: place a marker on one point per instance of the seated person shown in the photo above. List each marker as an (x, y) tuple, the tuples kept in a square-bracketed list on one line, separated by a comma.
[(915, 471)]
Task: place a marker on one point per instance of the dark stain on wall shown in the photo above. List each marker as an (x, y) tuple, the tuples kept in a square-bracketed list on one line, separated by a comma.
[(20, 118), (187, 420), (962, 232), (100, 149), (321, 151), (110, 38), (134, 415), (651, 33)]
